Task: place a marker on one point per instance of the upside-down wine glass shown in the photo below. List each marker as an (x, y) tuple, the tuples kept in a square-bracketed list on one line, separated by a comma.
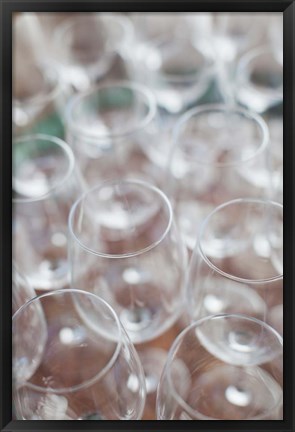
[(89, 370), (223, 367), (124, 247)]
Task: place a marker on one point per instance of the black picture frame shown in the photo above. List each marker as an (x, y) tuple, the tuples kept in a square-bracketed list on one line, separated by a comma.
[(7, 8)]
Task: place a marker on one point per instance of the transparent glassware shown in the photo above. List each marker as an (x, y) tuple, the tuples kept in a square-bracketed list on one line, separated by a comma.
[(170, 63), (234, 33), (259, 84), (45, 184), (219, 153), (275, 34), (22, 291), (237, 264), (38, 97), (26, 353), (86, 45), (275, 126), (230, 35), (223, 367), (108, 127), (123, 239), (89, 370)]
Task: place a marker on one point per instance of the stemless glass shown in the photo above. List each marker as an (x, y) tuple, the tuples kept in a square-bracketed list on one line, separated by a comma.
[(223, 367), (237, 264), (107, 126), (87, 44), (89, 370), (45, 185), (219, 153)]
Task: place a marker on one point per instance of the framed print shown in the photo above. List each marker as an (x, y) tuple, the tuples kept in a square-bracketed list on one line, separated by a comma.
[(147, 222)]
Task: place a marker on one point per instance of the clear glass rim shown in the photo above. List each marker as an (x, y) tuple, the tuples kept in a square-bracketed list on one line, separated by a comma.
[(207, 220), (204, 74), (119, 182), (40, 99), (67, 151), (223, 108), (117, 18), (275, 93), (254, 53), (105, 369), (134, 87), (180, 338)]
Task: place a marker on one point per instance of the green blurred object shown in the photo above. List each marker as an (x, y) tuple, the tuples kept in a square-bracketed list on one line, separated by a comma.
[(49, 125)]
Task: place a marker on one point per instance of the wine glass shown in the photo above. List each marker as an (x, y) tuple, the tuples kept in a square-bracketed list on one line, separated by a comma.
[(89, 370), (22, 291), (259, 84), (45, 185), (260, 87), (38, 95), (37, 102), (219, 153), (176, 70), (230, 36), (223, 367), (237, 264), (26, 353), (169, 58), (234, 33), (108, 127), (86, 45), (124, 247)]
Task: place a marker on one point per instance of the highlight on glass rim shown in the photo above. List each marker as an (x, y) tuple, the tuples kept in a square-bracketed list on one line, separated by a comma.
[(147, 216)]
